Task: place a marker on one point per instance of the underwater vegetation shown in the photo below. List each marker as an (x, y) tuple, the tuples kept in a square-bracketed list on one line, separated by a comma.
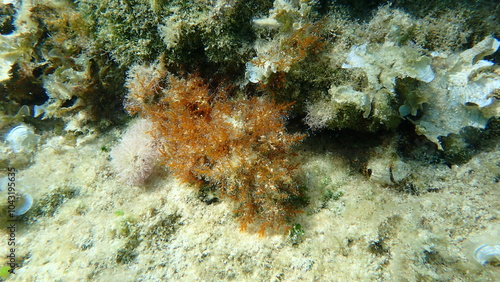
[(278, 55), (351, 126), (214, 110), (238, 144), (50, 65)]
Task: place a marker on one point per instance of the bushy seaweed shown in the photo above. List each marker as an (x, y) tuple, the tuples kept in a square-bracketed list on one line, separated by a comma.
[(237, 144)]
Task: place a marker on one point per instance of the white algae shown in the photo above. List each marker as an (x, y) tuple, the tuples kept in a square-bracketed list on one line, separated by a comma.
[(450, 91), (462, 94)]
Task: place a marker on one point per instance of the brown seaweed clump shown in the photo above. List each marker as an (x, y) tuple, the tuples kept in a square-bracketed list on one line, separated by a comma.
[(238, 145)]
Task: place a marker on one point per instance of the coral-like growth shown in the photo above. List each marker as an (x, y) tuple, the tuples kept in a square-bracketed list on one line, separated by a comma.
[(51, 64), (239, 145), (135, 157), (280, 54)]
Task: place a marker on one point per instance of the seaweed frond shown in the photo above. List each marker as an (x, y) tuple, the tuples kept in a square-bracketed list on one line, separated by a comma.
[(238, 145)]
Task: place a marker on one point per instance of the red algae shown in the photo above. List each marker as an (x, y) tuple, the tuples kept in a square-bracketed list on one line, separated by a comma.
[(239, 145)]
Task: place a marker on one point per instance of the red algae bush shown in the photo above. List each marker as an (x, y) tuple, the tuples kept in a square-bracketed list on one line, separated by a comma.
[(238, 145)]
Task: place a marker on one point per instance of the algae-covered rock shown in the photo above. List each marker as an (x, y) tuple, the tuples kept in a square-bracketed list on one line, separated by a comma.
[(294, 36), (375, 103), (50, 65), (189, 34), (440, 94), (463, 93)]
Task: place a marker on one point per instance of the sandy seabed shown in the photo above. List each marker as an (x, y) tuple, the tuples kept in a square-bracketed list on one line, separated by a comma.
[(86, 226)]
